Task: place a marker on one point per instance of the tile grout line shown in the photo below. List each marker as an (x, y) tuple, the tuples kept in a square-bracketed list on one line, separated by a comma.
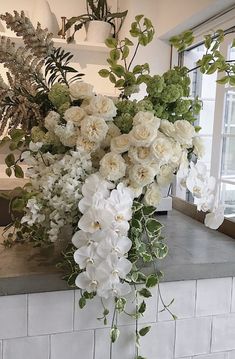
[(174, 344), (49, 343), (27, 315), (232, 293), (94, 345), (2, 349), (74, 308), (157, 303), (195, 298), (211, 330)]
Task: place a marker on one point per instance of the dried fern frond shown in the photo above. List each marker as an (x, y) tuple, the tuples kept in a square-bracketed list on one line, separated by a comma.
[(21, 63), (38, 40)]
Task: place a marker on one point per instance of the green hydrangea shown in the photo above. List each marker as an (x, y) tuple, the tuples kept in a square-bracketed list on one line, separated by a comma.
[(126, 106), (158, 110), (37, 134), (171, 93), (59, 95), (63, 108), (182, 106), (124, 122), (178, 76), (155, 86), (144, 105)]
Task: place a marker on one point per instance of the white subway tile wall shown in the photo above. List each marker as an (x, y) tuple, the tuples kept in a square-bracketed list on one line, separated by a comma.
[(213, 296), (50, 312), (52, 326)]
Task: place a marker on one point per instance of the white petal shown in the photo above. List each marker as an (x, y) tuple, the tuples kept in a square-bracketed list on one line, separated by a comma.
[(215, 219), (82, 281)]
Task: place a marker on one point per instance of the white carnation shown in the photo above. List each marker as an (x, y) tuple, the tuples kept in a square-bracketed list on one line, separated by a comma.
[(184, 132), (141, 175), (101, 106), (142, 135), (153, 195), (120, 144), (80, 90), (199, 148), (74, 114), (112, 166), (51, 120), (94, 128)]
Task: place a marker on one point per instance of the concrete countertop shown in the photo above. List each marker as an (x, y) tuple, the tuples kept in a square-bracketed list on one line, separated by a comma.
[(195, 252)]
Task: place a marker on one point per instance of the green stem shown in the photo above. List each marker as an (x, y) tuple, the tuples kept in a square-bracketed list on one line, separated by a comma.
[(111, 343), (134, 55)]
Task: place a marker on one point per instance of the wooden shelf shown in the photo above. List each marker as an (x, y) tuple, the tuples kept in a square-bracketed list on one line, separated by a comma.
[(82, 46)]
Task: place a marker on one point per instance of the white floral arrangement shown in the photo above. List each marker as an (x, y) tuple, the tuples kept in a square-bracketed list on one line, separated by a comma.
[(96, 169)]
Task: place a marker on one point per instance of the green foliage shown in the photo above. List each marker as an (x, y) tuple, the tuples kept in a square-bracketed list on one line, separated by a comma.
[(121, 75), (96, 10), (144, 331), (182, 41), (114, 334)]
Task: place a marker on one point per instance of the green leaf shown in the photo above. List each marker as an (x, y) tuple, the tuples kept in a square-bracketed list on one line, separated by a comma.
[(8, 171), (144, 292), (118, 70), (233, 43), (224, 80), (82, 302), (144, 331), (153, 227), (120, 304), (125, 52), (112, 78), (142, 307), (17, 134), (160, 249), (10, 160), (115, 55), (136, 206), (104, 73), (18, 204), (152, 280), (128, 42), (212, 68), (114, 334), (136, 224), (139, 17), (232, 80), (146, 257), (111, 42), (18, 172), (149, 210)]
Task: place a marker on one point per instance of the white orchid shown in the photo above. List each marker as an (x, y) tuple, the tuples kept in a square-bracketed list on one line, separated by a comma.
[(215, 219)]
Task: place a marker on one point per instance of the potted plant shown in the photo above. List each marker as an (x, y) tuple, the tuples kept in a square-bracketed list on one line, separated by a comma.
[(99, 21)]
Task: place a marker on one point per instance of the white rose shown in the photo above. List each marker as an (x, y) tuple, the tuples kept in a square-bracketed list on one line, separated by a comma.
[(142, 135), (113, 131), (80, 90), (120, 144), (74, 114), (51, 120), (142, 118), (94, 128), (199, 147), (67, 134), (112, 166), (162, 150), (141, 175), (184, 132), (101, 106), (153, 195), (167, 128), (84, 145), (136, 191), (141, 155), (177, 153), (165, 175)]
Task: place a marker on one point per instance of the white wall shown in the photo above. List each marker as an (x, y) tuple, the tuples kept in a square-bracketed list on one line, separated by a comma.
[(51, 325)]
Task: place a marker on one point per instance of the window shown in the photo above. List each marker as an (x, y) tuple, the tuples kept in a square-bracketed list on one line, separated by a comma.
[(217, 120)]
